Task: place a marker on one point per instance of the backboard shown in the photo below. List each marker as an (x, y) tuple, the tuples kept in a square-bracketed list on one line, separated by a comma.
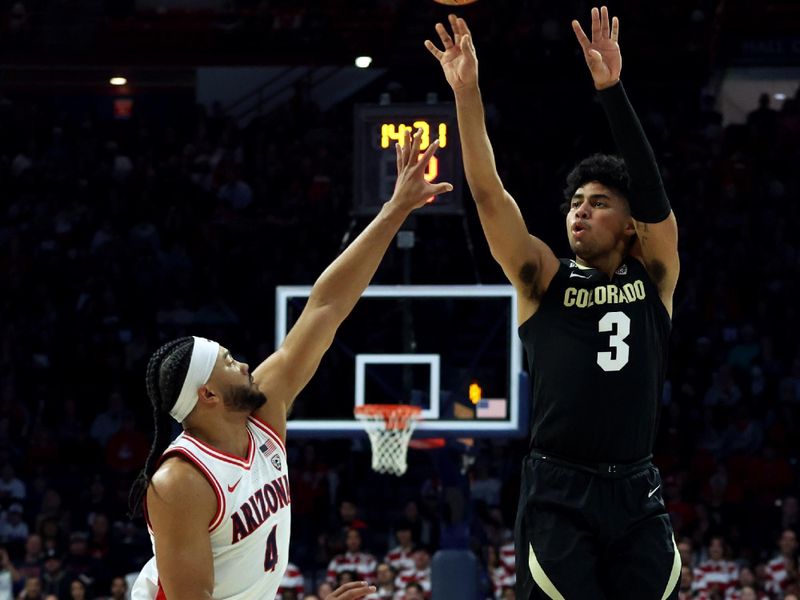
[(430, 346)]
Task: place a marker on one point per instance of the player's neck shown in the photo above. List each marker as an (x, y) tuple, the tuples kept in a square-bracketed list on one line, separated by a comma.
[(228, 435), (606, 263)]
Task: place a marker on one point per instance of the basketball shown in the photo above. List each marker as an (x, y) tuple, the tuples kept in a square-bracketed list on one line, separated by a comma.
[(455, 2)]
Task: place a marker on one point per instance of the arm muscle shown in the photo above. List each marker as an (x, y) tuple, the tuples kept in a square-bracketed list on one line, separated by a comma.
[(180, 505)]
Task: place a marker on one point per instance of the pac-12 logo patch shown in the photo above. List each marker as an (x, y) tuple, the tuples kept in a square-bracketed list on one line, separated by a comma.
[(623, 270), (276, 461)]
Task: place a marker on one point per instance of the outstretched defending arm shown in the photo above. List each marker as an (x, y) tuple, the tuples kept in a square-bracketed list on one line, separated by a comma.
[(335, 293), (528, 262), (656, 228)]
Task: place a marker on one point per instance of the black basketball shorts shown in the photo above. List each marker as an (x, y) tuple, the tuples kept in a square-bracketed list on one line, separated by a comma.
[(581, 535)]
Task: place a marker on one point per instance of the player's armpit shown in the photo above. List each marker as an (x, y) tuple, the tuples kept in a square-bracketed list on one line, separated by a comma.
[(180, 506), (658, 244), (528, 263)]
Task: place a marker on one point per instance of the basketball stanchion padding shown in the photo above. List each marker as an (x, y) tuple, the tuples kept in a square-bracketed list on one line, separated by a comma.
[(389, 427)]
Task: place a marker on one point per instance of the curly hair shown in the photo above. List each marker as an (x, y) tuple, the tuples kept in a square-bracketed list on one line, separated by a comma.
[(606, 169), (166, 372)]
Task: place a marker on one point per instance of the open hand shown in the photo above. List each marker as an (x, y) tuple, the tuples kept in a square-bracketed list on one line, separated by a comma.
[(602, 53), (412, 190), (459, 61)]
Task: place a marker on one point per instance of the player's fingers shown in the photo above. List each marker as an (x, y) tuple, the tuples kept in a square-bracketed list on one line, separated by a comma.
[(595, 25), (582, 39), (441, 188), (605, 30), (444, 36), (399, 157), (352, 585), (457, 33), (415, 142), (437, 54), (594, 57), (423, 161), (462, 25), (406, 147), (353, 591), (466, 44), (615, 29), (357, 594)]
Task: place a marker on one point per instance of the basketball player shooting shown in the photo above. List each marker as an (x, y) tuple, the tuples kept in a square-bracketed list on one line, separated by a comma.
[(217, 498), (591, 522)]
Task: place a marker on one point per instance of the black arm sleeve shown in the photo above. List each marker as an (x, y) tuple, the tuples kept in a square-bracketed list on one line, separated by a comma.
[(648, 198)]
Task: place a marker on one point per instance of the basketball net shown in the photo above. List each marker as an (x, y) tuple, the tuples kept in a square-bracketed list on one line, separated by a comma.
[(389, 427)]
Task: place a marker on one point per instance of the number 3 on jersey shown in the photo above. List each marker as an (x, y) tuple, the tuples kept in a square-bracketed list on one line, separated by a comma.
[(271, 557), (620, 325)]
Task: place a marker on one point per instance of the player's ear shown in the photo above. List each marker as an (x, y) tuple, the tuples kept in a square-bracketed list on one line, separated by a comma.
[(630, 227), (630, 224), (206, 394)]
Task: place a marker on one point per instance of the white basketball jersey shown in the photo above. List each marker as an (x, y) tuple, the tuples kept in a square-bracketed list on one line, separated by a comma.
[(250, 531)]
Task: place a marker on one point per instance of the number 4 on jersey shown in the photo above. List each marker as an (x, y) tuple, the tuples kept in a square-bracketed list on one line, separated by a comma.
[(619, 321), (271, 557)]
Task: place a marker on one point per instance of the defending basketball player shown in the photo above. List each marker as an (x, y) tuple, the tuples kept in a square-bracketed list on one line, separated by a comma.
[(591, 521), (217, 499)]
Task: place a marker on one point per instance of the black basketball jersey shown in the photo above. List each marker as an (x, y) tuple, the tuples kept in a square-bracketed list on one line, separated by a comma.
[(597, 354)]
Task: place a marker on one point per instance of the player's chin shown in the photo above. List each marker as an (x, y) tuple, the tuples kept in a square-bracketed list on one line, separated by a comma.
[(577, 246), (584, 251), (246, 399)]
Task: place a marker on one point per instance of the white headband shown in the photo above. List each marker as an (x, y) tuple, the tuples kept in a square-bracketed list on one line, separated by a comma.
[(204, 356)]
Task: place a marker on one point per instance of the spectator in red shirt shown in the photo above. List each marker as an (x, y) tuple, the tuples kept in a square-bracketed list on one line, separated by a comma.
[(399, 557), (716, 573), (292, 582), (347, 519), (420, 573), (362, 564), (747, 579), (414, 591), (384, 581), (782, 569)]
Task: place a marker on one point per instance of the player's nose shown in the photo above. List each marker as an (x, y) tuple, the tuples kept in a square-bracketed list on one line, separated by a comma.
[(583, 211)]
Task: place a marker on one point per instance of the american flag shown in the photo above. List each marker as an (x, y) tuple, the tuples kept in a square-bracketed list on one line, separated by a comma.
[(268, 447), (491, 408)]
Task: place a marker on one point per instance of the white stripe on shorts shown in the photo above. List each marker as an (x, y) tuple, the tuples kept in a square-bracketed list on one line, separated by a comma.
[(541, 579), (675, 573)]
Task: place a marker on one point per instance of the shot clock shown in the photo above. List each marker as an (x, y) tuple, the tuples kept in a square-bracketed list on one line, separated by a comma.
[(379, 127)]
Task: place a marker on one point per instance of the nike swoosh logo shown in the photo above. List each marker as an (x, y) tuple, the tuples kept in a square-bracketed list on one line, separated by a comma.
[(571, 275), (653, 491), (233, 487)]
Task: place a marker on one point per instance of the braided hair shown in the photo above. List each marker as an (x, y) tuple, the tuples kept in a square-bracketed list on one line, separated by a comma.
[(166, 372)]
